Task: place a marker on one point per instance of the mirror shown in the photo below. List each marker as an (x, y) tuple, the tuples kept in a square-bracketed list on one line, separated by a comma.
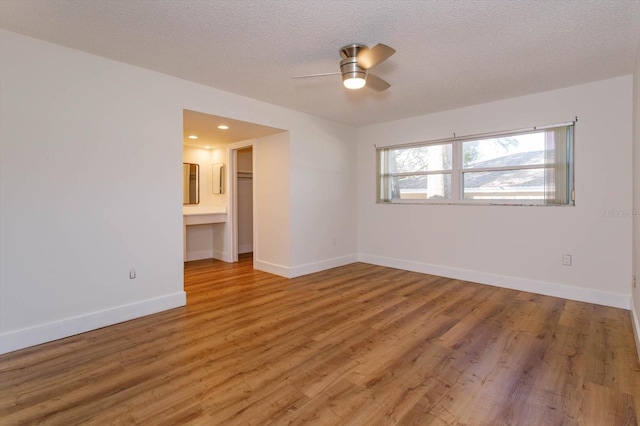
[(190, 183), (217, 181)]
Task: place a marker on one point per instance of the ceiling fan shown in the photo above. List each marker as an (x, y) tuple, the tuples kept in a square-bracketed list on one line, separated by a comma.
[(357, 60)]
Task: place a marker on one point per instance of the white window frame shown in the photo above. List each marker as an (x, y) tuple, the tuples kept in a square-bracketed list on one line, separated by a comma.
[(457, 171)]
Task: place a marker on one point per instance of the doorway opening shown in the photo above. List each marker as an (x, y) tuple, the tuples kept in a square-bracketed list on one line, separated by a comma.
[(224, 152), (242, 200)]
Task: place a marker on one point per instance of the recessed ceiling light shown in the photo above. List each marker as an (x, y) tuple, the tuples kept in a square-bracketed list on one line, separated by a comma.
[(192, 137), (223, 127)]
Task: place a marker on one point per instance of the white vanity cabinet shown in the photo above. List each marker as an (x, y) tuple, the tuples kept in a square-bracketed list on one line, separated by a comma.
[(200, 215)]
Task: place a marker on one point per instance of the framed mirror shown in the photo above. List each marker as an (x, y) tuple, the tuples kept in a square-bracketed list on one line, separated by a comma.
[(190, 183), (217, 178)]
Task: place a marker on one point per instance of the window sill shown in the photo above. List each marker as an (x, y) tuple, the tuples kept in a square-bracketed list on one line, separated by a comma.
[(471, 203)]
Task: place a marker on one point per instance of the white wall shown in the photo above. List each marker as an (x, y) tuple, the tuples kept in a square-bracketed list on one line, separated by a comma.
[(636, 198), (323, 180), (89, 189), (272, 186), (205, 158), (517, 247), (91, 153)]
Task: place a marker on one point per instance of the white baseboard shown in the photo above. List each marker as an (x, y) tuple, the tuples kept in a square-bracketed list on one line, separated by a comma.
[(199, 255), (636, 327), (208, 254), (48, 332), (272, 268), (222, 255), (564, 291), (245, 248), (310, 268)]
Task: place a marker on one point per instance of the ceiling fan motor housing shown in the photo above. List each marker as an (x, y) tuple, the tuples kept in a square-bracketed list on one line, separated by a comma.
[(349, 66), (350, 69)]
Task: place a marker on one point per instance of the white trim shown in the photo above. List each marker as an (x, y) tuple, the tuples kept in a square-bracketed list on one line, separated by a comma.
[(232, 199), (636, 327), (564, 291), (208, 254), (310, 268), (272, 268), (222, 255), (48, 332), (199, 255)]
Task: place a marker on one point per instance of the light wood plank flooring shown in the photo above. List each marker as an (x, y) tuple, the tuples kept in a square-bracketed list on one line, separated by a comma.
[(356, 345)]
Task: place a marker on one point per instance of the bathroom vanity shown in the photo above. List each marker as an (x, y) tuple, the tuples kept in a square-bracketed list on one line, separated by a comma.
[(200, 215)]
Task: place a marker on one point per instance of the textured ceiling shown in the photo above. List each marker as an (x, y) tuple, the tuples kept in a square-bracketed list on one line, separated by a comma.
[(449, 53), (205, 127)]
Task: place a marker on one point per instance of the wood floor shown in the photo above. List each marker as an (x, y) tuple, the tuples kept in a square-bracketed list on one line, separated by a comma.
[(356, 345)]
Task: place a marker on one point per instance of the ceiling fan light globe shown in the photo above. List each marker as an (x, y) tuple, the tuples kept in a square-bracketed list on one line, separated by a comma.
[(354, 82)]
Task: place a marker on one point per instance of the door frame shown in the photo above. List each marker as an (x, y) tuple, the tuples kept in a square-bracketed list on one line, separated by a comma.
[(233, 193)]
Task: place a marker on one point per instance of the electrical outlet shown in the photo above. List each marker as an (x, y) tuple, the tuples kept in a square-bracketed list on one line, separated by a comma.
[(132, 274), (566, 259)]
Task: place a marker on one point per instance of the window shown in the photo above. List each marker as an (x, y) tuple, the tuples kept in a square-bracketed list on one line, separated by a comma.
[(533, 166)]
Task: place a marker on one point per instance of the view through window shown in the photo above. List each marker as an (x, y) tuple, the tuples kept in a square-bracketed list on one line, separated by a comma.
[(523, 167)]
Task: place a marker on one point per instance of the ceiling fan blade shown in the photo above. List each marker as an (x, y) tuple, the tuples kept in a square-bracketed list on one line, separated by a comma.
[(316, 75), (376, 83), (369, 58)]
